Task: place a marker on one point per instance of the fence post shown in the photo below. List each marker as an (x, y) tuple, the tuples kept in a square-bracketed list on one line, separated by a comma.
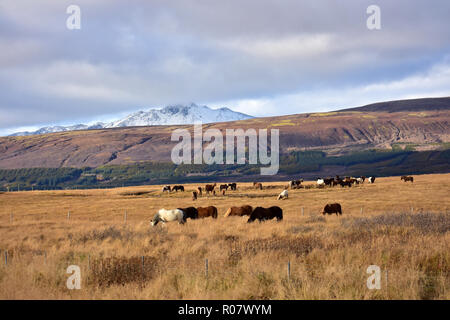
[(289, 270), (68, 215), (387, 285), (303, 211), (362, 210), (206, 267), (125, 216)]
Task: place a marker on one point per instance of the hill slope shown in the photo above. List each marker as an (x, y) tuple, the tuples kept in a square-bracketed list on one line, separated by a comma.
[(412, 105), (336, 133)]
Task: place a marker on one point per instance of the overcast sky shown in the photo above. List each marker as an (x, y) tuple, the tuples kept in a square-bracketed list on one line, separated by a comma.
[(254, 56)]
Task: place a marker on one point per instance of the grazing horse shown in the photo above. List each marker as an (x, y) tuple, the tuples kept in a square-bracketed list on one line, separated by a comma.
[(332, 208), (320, 182), (164, 216), (371, 179), (194, 195), (262, 214), (210, 188), (239, 211), (257, 185), (232, 186), (210, 211), (407, 178), (166, 188), (294, 184), (199, 191), (176, 188), (283, 195), (345, 183), (189, 212), (223, 187)]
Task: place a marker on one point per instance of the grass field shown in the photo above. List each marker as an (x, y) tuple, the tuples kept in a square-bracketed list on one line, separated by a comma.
[(401, 227)]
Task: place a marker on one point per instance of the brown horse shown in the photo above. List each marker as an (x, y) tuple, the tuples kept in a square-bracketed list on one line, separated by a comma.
[(199, 191), (332, 208), (407, 178), (239, 211), (210, 188), (257, 185), (210, 211)]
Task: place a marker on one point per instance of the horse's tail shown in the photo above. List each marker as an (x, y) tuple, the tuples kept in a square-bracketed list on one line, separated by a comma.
[(214, 215)]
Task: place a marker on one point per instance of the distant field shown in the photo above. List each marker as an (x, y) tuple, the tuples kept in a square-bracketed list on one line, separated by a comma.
[(401, 227)]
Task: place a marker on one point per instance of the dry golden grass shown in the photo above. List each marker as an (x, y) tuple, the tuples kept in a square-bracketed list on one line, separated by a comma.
[(328, 255)]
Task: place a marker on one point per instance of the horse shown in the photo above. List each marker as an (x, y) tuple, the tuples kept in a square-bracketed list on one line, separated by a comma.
[(190, 212), (166, 188), (176, 188), (210, 188), (257, 185), (332, 208), (239, 211), (262, 214), (194, 195), (164, 216), (232, 185), (199, 191), (407, 178), (210, 211), (223, 187), (283, 195)]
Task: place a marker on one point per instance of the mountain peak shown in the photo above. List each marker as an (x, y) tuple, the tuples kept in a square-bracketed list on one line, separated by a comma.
[(169, 115)]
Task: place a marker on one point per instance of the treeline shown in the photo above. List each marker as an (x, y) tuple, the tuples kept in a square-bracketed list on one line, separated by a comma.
[(301, 163)]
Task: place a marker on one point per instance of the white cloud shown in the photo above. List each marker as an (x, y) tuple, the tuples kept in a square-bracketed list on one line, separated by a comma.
[(435, 82)]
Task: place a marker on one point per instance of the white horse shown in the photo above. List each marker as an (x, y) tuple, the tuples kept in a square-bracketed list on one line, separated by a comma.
[(371, 179), (320, 182), (164, 216), (283, 195)]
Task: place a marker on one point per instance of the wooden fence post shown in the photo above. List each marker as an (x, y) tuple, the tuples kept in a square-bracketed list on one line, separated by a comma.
[(303, 211), (289, 270), (68, 215)]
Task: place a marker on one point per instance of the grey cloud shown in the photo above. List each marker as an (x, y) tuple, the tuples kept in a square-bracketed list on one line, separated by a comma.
[(151, 53)]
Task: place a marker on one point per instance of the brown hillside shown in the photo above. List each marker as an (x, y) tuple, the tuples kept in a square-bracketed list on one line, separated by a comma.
[(334, 132)]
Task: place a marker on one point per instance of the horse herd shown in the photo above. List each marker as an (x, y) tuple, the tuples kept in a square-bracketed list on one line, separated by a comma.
[(346, 182), (259, 213), (182, 214)]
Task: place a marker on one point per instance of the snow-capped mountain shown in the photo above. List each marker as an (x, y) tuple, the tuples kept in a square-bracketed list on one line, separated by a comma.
[(170, 115)]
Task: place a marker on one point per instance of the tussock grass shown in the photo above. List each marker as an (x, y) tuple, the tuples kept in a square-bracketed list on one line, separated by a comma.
[(328, 254)]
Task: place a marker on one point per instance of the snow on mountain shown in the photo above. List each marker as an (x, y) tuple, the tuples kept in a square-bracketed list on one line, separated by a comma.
[(170, 115)]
